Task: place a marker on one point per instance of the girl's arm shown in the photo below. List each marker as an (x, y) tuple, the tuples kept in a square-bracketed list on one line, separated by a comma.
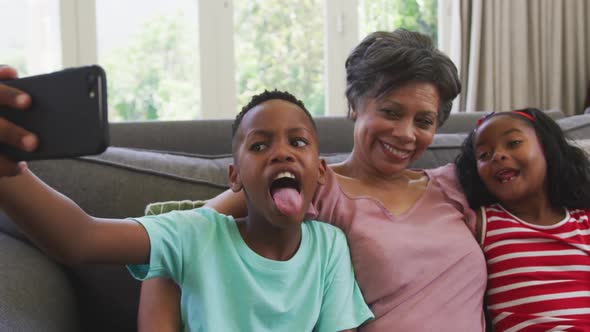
[(159, 306), (60, 227), (229, 203)]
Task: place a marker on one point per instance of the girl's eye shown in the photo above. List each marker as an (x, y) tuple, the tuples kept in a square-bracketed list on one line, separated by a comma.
[(257, 147), (514, 143), (299, 142), (483, 156)]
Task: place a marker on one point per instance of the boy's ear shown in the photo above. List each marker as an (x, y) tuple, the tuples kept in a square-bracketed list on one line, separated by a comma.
[(234, 179), (323, 168)]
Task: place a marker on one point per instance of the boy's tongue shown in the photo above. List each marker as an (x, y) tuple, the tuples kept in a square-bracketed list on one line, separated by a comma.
[(287, 200)]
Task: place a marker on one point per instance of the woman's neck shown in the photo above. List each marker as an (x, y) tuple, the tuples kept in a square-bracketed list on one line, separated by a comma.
[(361, 171), (269, 241)]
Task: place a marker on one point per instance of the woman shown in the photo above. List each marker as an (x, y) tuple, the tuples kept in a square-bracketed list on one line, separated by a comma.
[(410, 231)]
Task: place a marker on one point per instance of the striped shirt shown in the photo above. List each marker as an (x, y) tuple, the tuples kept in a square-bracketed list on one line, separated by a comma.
[(538, 276)]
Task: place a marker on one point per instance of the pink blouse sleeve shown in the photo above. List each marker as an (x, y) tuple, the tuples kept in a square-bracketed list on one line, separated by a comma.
[(446, 178)]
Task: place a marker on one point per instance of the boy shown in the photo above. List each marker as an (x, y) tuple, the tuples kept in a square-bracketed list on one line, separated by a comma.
[(269, 271)]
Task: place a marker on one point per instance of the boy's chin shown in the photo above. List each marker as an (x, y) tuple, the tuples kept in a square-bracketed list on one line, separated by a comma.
[(283, 220)]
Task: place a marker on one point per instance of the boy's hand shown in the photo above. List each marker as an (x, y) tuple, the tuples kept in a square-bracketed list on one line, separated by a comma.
[(10, 133)]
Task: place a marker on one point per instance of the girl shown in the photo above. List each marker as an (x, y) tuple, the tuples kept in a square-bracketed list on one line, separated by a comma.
[(532, 190)]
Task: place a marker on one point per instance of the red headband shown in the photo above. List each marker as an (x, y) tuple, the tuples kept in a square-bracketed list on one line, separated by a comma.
[(526, 115), (485, 117)]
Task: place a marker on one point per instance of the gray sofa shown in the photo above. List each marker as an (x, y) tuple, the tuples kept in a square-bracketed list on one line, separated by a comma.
[(150, 162)]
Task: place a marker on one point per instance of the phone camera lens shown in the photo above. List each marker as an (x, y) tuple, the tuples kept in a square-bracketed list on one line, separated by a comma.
[(91, 79)]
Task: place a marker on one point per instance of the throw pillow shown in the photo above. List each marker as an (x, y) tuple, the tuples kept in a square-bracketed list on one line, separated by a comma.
[(163, 207)]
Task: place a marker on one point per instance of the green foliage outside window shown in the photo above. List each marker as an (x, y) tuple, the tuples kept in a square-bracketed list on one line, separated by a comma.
[(280, 44), (415, 15), (156, 77), (277, 44)]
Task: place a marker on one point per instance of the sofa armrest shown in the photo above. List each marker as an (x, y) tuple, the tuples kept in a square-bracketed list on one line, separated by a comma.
[(35, 293)]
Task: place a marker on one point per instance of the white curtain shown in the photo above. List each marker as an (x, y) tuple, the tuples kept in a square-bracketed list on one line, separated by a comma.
[(520, 53)]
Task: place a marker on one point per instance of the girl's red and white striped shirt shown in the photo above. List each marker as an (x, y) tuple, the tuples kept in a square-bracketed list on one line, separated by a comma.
[(538, 276)]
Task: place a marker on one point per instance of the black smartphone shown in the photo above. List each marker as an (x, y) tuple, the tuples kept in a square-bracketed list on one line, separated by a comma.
[(68, 113)]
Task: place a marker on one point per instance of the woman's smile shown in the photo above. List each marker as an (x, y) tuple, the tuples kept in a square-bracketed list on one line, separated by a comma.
[(396, 153)]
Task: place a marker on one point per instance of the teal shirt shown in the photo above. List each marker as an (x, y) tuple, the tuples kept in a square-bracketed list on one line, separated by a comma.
[(228, 287)]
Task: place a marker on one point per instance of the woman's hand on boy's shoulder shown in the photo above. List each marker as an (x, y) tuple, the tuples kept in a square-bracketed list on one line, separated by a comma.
[(11, 134)]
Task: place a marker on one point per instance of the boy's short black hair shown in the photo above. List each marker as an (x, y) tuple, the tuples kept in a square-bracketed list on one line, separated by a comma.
[(568, 168), (265, 96)]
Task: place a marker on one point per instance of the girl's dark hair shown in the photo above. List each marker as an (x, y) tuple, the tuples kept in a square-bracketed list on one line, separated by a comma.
[(568, 168), (385, 61)]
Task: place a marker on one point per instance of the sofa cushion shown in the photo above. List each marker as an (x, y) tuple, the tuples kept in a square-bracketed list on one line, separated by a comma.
[(120, 182), (334, 133), (443, 150), (464, 122), (200, 169), (583, 144), (576, 127), (35, 292), (212, 170)]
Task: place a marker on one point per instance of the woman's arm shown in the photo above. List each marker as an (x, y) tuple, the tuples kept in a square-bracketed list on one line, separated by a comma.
[(229, 203), (60, 227), (159, 306)]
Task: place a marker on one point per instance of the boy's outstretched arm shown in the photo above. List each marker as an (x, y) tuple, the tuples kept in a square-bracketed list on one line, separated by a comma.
[(63, 230)]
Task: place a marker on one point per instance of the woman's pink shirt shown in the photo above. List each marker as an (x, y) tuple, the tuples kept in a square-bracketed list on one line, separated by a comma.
[(422, 270)]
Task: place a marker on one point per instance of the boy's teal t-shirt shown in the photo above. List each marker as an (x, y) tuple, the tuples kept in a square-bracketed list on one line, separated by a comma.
[(228, 287)]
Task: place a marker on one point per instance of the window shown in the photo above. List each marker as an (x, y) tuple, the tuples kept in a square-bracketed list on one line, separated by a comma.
[(151, 58), (33, 47), (280, 44), (196, 59), (415, 15)]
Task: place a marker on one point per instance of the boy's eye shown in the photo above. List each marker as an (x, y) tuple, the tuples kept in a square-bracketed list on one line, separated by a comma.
[(257, 147), (299, 142)]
